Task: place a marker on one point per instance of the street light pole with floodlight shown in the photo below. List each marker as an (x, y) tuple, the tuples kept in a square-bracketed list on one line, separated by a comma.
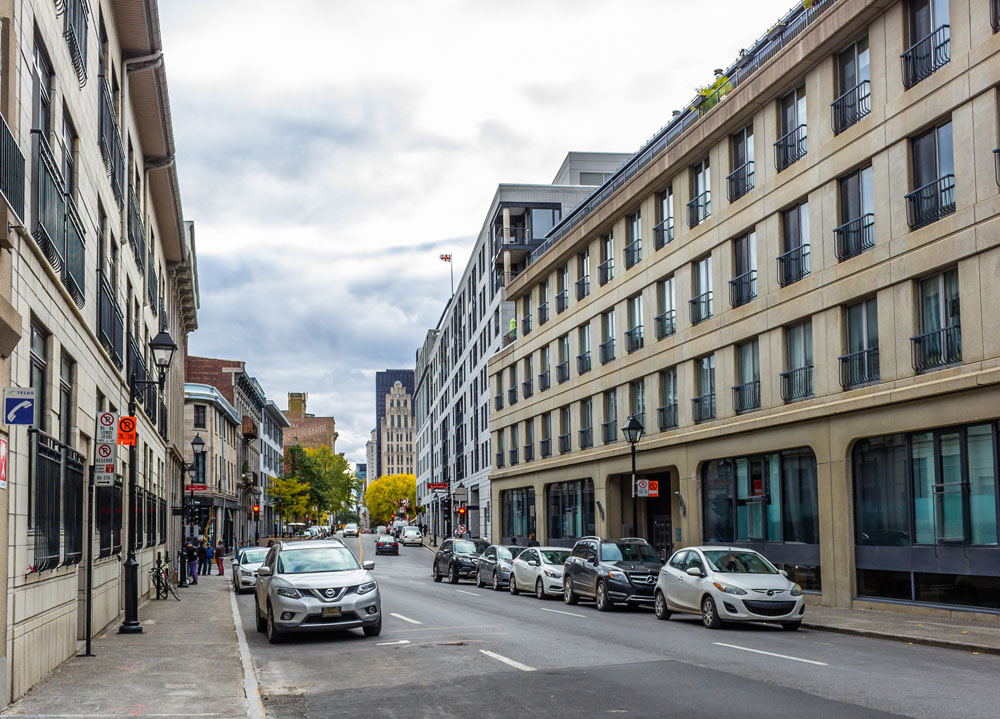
[(633, 430)]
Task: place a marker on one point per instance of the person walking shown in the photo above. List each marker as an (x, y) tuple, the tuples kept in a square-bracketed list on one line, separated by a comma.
[(209, 556), (220, 552), (532, 542), (191, 554), (202, 557)]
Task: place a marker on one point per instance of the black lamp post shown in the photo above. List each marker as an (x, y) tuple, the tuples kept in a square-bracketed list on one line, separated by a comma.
[(633, 430), (187, 502), (163, 347)]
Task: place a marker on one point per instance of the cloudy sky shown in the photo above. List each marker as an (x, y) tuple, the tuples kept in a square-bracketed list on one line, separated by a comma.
[(329, 151)]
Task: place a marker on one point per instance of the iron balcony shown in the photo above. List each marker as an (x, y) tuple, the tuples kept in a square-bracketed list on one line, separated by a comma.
[(663, 233), (852, 106), (926, 56), (544, 380), (931, 202), (937, 348), (703, 407), (666, 324), (743, 288), (586, 437), (797, 383), (564, 443), (606, 271), (526, 389), (582, 287), (609, 431), (583, 362), (700, 208), (667, 416), (855, 236), (791, 148), (793, 265), (746, 396), (633, 339), (607, 350), (859, 368), (740, 181), (633, 254), (562, 372), (701, 307)]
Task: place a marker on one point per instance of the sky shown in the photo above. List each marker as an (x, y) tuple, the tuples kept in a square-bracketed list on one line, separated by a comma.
[(329, 151)]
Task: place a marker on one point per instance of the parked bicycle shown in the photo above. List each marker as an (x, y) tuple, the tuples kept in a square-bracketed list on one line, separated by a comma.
[(160, 576)]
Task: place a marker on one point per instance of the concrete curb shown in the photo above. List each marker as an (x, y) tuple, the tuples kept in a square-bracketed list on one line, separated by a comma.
[(251, 689), (922, 641)]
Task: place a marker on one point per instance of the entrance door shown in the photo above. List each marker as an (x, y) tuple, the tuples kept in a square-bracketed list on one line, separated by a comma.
[(660, 536)]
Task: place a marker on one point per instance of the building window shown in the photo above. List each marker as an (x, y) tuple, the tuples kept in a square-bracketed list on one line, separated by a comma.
[(66, 405), (586, 423), (663, 231), (39, 373), (930, 40), (746, 393), (517, 513), (637, 400), (933, 161), (700, 207), (607, 336), (545, 447), (797, 381), (666, 307), (940, 340), (526, 317), (544, 378), (860, 365), (743, 286), (199, 416), (565, 427), (570, 509), (854, 88), (633, 236), (703, 404), (741, 179), (609, 428), (583, 274), (634, 336), (606, 270), (583, 359), (562, 369), (857, 213), (701, 303), (793, 262), (69, 140), (666, 413), (543, 304), (562, 282), (792, 125), (514, 442), (529, 440)]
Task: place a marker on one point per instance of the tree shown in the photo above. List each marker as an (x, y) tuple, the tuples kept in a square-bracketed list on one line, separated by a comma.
[(386, 494), (289, 496), (332, 484)]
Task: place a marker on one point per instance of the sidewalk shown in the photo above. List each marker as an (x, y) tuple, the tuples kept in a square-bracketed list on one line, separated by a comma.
[(186, 662)]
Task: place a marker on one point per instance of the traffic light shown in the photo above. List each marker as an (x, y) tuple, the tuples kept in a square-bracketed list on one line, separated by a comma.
[(446, 505), (256, 511), (461, 512)]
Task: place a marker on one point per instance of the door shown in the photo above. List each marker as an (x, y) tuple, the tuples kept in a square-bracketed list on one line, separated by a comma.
[(674, 571), (688, 592), (443, 557), (485, 564), (661, 535), (518, 568)]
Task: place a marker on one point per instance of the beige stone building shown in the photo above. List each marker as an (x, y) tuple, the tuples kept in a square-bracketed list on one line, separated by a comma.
[(396, 432), (791, 286), (307, 429)]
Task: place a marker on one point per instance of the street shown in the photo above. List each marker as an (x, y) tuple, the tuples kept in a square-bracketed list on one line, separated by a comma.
[(458, 651)]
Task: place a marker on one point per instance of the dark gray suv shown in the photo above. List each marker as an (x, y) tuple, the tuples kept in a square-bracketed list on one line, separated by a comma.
[(611, 571)]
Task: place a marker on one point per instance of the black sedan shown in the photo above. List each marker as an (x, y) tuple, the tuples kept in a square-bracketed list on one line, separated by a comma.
[(386, 544), (457, 559)]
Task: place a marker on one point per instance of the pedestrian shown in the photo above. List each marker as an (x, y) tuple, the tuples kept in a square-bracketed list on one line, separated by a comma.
[(270, 543), (191, 554), (513, 540), (532, 542), (209, 556), (220, 552), (202, 557)]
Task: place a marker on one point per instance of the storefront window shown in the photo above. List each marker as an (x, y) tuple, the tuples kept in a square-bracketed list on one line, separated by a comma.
[(518, 512), (570, 507), (881, 516)]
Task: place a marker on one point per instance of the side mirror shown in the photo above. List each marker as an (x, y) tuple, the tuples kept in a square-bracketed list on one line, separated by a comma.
[(694, 572), (593, 560), (783, 573), (369, 565), (264, 571), (533, 562)]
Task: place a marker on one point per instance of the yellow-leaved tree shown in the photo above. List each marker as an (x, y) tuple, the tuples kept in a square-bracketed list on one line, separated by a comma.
[(290, 497), (386, 494)]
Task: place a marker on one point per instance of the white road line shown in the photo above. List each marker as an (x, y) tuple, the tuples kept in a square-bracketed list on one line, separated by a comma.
[(415, 582), (509, 662), (405, 619), (389, 644), (772, 654), (568, 614), (255, 707), (471, 594)]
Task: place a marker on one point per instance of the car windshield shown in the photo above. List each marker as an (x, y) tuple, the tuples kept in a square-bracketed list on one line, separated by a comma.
[(628, 552), (508, 553), (253, 556), (319, 559), (729, 562), (351, 526), (470, 546), (554, 556)]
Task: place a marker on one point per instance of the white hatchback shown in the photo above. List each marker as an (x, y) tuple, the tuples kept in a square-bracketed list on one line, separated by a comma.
[(727, 584), (538, 569), (411, 535)]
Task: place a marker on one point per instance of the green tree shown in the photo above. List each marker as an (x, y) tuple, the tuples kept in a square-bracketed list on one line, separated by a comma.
[(332, 484), (386, 494)]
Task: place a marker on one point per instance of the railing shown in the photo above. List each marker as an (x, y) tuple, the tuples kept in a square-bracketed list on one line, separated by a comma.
[(704, 103), (527, 389), (931, 202), (499, 460), (634, 339), (152, 285), (582, 287), (498, 401), (510, 336), (136, 230), (663, 233), (793, 265), (544, 380), (701, 307), (562, 301), (526, 324), (529, 453), (746, 396), (926, 56), (583, 362), (797, 383), (75, 32), (50, 204), (110, 141), (163, 421), (607, 350), (995, 15), (666, 324), (700, 208), (75, 266), (606, 271), (666, 416), (740, 181), (110, 323), (12, 167), (545, 448), (516, 236), (562, 372), (633, 254), (850, 107), (136, 365), (564, 444), (609, 431), (743, 288), (56, 510), (854, 237), (586, 437), (512, 455), (857, 368), (937, 348), (996, 158), (703, 408), (512, 396), (790, 149), (543, 313)]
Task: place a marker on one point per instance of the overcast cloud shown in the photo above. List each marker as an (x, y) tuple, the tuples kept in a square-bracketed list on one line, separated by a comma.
[(328, 152)]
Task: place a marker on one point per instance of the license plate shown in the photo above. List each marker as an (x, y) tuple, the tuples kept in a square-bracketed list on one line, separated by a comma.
[(331, 611)]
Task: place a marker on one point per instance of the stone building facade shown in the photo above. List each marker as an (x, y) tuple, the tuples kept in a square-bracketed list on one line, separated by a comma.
[(396, 438), (272, 461), (307, 429)]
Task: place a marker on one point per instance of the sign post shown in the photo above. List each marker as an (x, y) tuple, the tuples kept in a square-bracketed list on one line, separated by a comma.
[(19, 405), (105, 452)]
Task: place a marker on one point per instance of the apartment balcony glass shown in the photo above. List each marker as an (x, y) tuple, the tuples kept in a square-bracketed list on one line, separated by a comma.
[(500, 460), (700, 208), (634, 339), (701, 307), (564, 443), (703, 407), (529, 453), (562, 372), (526, 389), (743, 288), (12, 168), (852, 106), (607, 349), (545, 448), (110, 322), (512, 453), (797, 383), (544, 380), (666, 416), (854, 237), (931, 202), (605, 271), (793, 265), (510, 337), (609, 431), (586, 437), (562, 301), (543, 313), (498, 401), (633, 254), (666, 324), (859, 368), (926, 56), (790, 149), (740, 181), (663, 233), (937, 348), (746, 397), (526, 324), (582, 287), (583, 362), (512, 395)]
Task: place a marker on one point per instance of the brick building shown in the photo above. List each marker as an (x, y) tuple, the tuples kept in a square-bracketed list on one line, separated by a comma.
[(306, 429)]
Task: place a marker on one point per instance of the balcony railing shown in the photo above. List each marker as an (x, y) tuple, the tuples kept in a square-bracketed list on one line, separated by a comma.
[(562, 372), (793, 265), (586, 437), (75, 267), (49, 203), (164, 427), (516, 236), (666, 416), (510, 337), (152, 285), (136, 230), (996, 158), (526, 325), (701, 307), (582, 287), (609, 431), (564, 443), (854, 237), (562, 301), (663, 233), (606, 271), (926, 56), (544, 380), (740, 181), (703, 407), (545, 448), (75, 32), (666, 324), (995, 15), (931, 202), (743, 288), (512, 396), (110, 141), (607, 350), (937, 348), (850, 107), (633, 254), (543, 313), (110, 323), (791, 148), (498, 401), (512, 454), (746, 396), (797, 383), (634, 339), (583, 362), (12, 165), (700, 208), (529, 453), (527, 389), (858, 368), (499, 460)]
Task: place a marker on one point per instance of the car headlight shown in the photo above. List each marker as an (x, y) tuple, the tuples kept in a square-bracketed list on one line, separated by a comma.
[(289, 592), (503, 565), (554, 573), (620, 576), (367, 587), (728, 588), (796, 590), (246, 572)]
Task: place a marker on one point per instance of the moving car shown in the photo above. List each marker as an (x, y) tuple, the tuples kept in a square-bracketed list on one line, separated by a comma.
[(244, 567), (411, 535), (616, 571), (314, 586), (727, 584), (493, 567), (539, 570), (456, 558), (351, 530), (386, 544)]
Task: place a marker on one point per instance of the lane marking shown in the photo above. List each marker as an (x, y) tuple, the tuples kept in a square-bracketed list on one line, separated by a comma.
[(389, 644), (255, 707), (559, 611), (471, 594), (772, 654), (413, 581), (509, 662), (405, 619)]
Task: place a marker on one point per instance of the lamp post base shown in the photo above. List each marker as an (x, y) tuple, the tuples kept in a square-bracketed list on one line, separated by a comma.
[(131, 625)]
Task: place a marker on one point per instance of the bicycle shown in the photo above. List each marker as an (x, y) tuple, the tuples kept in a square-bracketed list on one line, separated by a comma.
[(160, 576)]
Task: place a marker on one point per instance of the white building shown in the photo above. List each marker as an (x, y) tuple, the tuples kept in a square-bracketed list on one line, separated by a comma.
[(272, 461)]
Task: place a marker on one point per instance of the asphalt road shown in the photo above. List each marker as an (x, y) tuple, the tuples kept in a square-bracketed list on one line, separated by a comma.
[(458, 651)]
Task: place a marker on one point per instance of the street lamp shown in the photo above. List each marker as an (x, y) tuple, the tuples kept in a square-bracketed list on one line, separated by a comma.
[(633, 430), (187, 508), (163, 347)]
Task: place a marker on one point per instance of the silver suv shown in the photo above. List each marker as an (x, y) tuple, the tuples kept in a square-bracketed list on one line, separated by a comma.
[(315, 586)]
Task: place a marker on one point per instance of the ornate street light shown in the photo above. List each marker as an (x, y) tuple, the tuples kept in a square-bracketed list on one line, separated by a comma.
[(633, 430), (163, 348)]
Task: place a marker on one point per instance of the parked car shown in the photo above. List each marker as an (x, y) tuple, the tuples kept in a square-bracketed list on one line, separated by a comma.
[(728, 584), (386, 544), (244, 567), (314, 586), (493, 567), (538, 569), (456, 558), (411, 535), (351, 530), (618, 571)]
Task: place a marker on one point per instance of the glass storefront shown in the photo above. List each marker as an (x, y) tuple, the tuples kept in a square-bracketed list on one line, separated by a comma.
[(570, 510), (517, 517)]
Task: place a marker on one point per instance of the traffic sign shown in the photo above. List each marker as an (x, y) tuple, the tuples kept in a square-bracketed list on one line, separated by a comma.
[(19, 405), (3, 463), (126, 430), (436, 485), (461, 529), (654, 488), (461, 494), (642, 488), (107, 427), (195, 487)]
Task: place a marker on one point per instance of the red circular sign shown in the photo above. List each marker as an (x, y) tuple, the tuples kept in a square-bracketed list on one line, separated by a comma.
[(107, 419), (104, 451)]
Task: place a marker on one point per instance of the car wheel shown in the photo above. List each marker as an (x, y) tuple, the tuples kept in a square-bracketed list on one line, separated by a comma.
[(435, 573), (791, 626), (453, 574), (511, 584), (569, 596), (602, 600), (273, 633), (496, 581), (479, 580), (660, 606), (261, 619), (709, 613), (373, 630), (539, 589)]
